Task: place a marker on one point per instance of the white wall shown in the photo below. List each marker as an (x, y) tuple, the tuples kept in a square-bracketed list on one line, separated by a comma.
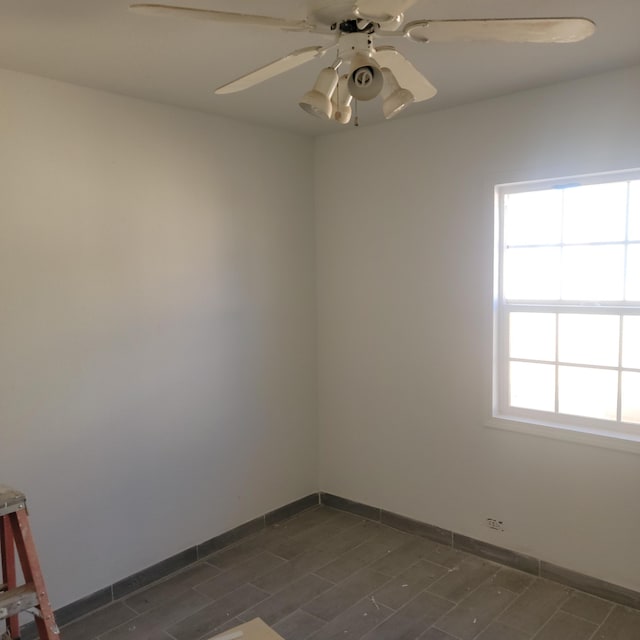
[(157, 326), (405, 249)]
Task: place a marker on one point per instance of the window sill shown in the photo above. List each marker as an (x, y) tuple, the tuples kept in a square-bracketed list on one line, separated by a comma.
[(615, 440)]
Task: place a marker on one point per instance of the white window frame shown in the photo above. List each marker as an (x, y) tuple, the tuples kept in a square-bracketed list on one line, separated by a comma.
[(611, 434)]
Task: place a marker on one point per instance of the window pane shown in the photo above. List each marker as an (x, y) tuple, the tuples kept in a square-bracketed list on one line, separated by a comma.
[(534, 217), (631, 397), (589, 339), (532, 386), (593, 273), (631, 342), (592, 393), (532, 336), (634, 210), (531, 274), (595, 213), (633, 272)]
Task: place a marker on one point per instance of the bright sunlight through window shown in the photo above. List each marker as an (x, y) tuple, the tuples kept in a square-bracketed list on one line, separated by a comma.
[(567, 304)]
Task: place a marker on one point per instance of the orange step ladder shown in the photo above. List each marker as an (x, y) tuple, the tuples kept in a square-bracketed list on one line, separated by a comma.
[(15, 535)]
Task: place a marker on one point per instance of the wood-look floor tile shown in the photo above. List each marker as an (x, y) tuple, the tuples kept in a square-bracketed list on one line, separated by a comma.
[(564, 626), (298, 626), (459, 582), (622, 624), (207, 619), (293, 570), (99, 622), (151, 623), (409, 584), (320, 533), (166, 590), (587, 607), (287, 600), (306, 520), (512, 579), (230, 580), (443, 555), (401, 558), (341, 596), (499, 631), (474, 613), (412, 620), (535, 606), (355, 622), (435, 634), (347, 563)]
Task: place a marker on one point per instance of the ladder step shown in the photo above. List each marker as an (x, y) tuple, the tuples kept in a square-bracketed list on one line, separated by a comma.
[(16, 600), (10, 500)]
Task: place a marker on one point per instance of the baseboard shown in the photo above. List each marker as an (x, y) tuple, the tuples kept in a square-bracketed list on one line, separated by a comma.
[(507, 557), (521, 561), (83, 606)]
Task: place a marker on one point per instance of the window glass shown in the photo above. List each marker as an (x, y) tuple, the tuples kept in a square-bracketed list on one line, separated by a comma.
[(532, 274), (633, 273), (533, 218), (595, 213), (589, 339), (532, 386), (634, 210), (592, 393), (593, 273), (532, 336), (631, 342), (631, 397)]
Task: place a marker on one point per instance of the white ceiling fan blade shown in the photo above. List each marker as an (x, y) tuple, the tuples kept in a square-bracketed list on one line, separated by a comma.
[(291, 61), (406, 74), (537, 30), (383, 10), (221, 16)]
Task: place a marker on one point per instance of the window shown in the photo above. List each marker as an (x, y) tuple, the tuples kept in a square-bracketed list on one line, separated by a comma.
[(567, 304)]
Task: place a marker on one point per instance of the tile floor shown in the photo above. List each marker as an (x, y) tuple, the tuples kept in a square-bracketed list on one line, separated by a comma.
[(326, 574)]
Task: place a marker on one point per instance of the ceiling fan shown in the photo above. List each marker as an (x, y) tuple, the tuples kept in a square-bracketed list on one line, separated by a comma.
[(372, 70)]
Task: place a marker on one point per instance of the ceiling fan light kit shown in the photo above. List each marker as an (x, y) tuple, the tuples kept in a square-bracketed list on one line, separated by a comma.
[(317, 102), (394, 97), (341, 101), (365, 79), (373, 70)]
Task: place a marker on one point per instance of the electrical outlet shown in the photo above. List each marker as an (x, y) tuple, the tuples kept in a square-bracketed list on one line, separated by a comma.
[(496, 525)]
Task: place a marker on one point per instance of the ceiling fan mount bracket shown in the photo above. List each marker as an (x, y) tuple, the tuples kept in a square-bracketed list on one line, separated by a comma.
[(356, 25)]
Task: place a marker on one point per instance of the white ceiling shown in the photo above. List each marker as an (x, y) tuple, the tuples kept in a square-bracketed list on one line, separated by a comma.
[(100, 44)]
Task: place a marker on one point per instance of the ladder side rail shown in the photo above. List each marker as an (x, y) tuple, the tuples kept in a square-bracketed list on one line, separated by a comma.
[(7, 549), (47, 628)]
